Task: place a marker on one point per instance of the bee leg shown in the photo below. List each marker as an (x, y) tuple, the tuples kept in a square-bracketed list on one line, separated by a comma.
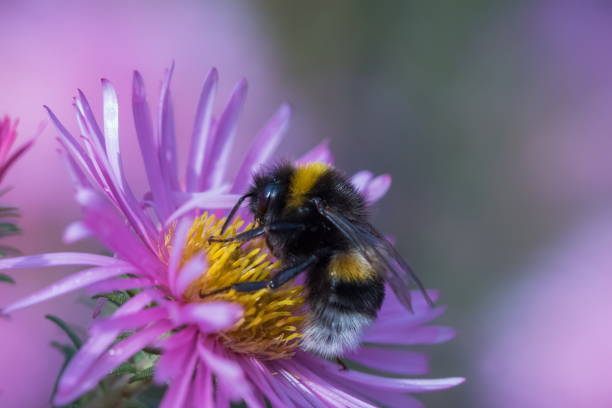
[(343, 366), (243, 236), (283, 276), (256, 232)]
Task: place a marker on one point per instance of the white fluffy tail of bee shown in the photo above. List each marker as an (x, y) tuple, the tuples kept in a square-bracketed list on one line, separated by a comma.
[(333, 332)]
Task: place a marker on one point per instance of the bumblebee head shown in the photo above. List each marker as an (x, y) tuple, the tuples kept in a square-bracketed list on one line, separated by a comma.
[(268, 201), (281, 187)]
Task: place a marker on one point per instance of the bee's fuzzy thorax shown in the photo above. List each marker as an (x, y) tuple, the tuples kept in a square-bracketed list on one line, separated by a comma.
[(303, 179)]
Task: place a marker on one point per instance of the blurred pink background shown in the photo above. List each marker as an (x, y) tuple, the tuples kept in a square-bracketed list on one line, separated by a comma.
[(548, 336)]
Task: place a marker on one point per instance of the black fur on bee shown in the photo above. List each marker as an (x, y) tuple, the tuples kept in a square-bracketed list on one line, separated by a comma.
[(313, 219)]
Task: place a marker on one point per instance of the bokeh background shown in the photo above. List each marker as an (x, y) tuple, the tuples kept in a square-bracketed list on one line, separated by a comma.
[(494, 119)]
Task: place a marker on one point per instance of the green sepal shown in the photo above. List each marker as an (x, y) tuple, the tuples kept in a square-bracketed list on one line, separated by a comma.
[(6, 279), (74, 338), (125, 368), (143, 375)]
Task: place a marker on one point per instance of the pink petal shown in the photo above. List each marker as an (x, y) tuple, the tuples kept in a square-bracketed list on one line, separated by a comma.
[(75, 231), (118, 284), (377, 188), (203, 388), (411, 335), (76, 173), (75, 150), (172, 361), (176, 252), (361, 179), (178, 339), (70, 283), (182, 196), (405, 320), (131, 321), (229, 373), (201, 139), (167, 155), (110, 360), (394, 399), (336, 396), (123, 197), (98, 307), (392, 305), (325, 389), (205, 201), (262, 377), (90, 120), (13, 158), (96, 345), (401, 384), (319, 153), (178, 391), (210, 317), (8, 134), (102, 219), (297, 391), (193, 269), (125, 201), (59, 259), (394, 361), (148, 145), (217, 158), (111, 130), (262, 147)]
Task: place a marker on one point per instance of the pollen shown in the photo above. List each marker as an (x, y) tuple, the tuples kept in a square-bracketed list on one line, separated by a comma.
[(272, 319)]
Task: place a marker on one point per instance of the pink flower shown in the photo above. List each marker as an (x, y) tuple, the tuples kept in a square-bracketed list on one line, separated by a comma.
[(8, 134), (235, 346)]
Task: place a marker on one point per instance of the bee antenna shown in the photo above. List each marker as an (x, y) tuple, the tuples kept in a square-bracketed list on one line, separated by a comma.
[(230, 216)]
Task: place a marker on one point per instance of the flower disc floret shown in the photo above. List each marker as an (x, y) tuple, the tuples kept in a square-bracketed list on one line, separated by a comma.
[(270, 327)]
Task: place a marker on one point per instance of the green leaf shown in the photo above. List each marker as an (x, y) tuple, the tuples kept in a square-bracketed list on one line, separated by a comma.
[(145, 374), (152, 395), (8, 251), (117, 298), (6, 278), (76, 341), (9, 212), (8, 228), (134, 404), (68, 351)]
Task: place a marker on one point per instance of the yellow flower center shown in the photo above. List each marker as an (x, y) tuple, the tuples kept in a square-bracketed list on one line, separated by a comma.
[(272, 320)]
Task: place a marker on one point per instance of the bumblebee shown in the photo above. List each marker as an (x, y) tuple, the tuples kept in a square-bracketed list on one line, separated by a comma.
[(313, 219)]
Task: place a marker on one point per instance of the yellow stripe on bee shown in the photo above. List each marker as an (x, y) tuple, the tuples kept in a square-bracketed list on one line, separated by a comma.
[(303, 180), (350, 267)]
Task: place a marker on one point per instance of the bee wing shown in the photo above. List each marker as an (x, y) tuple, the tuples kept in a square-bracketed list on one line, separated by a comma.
[(380, 253)]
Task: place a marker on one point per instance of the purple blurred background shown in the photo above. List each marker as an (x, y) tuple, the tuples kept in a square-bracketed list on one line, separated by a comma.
[(491, 116)]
